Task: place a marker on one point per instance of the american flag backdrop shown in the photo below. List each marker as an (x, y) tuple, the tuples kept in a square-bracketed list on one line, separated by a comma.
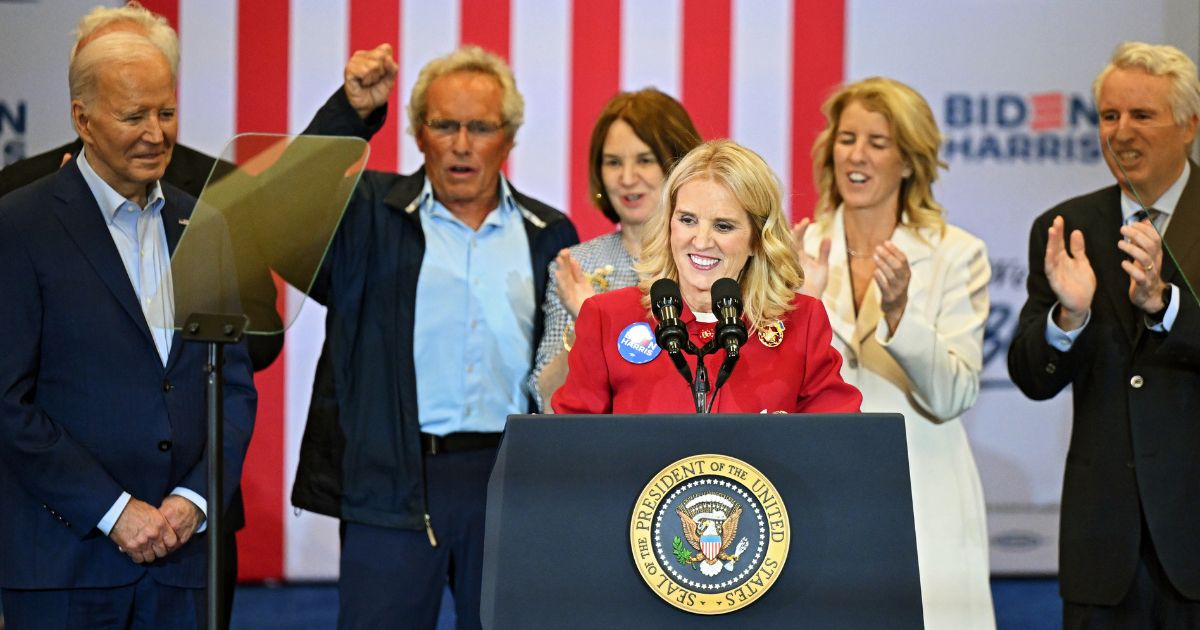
[(752, 70)]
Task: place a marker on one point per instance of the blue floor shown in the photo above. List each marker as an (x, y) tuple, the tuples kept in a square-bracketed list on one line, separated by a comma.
[(1021, 604)]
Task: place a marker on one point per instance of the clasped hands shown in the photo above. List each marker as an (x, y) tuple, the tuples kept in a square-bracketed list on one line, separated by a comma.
[(145, 533), (1073, 280)]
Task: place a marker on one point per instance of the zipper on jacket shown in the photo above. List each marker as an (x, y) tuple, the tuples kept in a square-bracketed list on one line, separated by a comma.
[(429, 531)]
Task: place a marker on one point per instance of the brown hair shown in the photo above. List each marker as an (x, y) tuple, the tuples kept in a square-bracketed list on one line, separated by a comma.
[(657, 119)]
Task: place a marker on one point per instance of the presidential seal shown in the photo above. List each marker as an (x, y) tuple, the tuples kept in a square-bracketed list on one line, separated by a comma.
[(709, 534)]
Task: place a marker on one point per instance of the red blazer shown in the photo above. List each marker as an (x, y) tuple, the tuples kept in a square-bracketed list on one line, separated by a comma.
[(801, 374)]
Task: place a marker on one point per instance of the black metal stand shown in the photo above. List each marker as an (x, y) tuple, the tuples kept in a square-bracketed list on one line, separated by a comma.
[(700, 386), (217, 331)]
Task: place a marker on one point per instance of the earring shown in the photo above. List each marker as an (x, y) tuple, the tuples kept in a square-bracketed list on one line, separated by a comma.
[(599, 196)]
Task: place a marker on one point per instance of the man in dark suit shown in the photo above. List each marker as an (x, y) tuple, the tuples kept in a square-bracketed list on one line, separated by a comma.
[(1111, 314), (187, 170), (102, 406)]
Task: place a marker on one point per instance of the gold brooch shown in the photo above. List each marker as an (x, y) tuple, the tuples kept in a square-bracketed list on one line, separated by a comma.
[(599, 278), (772, 335)]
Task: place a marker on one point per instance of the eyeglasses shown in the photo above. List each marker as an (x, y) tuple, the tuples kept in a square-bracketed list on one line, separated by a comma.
[(475, 128)]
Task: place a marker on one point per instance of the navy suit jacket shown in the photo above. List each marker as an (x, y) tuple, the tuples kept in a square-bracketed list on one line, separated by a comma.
[(87, 409)]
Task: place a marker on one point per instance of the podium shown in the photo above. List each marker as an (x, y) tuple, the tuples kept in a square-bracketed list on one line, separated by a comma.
[(564, 489)]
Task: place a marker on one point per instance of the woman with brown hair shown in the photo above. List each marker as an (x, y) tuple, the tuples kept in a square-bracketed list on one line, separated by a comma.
[(637, 139)]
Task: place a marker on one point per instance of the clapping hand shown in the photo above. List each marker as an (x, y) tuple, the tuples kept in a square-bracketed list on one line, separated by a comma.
[(1071, 276), (816, 270), (892, 274), (1143, 245), (573, 285)]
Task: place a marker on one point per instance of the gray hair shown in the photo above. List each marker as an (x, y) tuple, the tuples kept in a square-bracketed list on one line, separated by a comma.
[(108, 48), (468, 59), (1159, 61), (153, 26)]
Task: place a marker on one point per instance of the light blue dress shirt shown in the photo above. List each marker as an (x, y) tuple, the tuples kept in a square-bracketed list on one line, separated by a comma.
[(473, 329), (141, 241), (1063, 339)]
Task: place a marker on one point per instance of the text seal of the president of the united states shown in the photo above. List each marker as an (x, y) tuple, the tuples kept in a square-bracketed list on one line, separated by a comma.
[(709, 534)]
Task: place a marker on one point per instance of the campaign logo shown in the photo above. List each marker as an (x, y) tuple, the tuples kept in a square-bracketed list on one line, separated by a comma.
[(709, 534), (12, 131), (636, 343), (1011, 128)]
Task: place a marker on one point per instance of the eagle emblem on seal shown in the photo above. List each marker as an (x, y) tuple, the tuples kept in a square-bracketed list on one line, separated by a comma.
[(710, 523)]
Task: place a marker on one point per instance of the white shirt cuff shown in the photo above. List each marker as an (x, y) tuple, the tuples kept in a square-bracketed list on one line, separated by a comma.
[(1060, 339), (110, 517), (1168, 319), (198, 501)]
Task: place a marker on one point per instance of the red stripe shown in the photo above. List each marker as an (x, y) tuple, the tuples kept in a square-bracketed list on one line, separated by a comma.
[(706, 65), (374, 22), (262, 106), (595, 78), (169, 9), (487, 24), (166, 8), (818, 50)]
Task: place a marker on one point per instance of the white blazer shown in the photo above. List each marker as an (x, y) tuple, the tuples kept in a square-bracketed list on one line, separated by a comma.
[(929, 372)]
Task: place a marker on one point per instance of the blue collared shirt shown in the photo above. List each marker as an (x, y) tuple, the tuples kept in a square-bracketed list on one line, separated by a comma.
[(1063, 339), (141, 240), (473, 329)]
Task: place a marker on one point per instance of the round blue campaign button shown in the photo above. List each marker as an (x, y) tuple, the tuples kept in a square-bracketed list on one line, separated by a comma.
[(636, 343)]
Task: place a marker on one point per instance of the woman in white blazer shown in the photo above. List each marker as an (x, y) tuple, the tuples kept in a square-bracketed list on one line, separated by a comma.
[(907, 298)]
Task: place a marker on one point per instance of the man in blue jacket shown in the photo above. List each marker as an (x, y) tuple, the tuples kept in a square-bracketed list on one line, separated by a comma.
[(433, 286)]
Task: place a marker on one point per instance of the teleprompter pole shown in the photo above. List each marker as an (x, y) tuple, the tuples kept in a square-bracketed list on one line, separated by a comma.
[(217, 331)]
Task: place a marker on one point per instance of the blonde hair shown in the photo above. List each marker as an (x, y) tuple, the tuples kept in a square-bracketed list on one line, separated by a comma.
[(772, 274), (915, 133), (153, 26), (1159, 61), (468, 59)]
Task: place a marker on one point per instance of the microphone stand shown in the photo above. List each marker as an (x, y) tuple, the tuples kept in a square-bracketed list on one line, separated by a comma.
[(700, 384)]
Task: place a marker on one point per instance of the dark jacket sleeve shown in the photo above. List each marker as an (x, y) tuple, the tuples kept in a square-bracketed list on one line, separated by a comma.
[(33, 168), (338, 118)]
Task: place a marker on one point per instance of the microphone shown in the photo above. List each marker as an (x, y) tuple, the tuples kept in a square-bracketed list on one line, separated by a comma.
[(727, 306), (667, 303), (670, 333)]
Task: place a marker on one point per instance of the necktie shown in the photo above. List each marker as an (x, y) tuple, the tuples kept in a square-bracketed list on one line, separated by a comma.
[(1155, 216)]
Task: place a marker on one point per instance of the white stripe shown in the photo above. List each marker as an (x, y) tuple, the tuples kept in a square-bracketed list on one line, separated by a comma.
[(207, 73), (317, 54), (761, 82), (651, 45), (541, 60), (310, 540), (430, 29)]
